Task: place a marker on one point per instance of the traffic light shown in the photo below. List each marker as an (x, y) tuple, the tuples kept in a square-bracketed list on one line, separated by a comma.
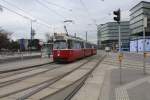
[(117, 14)]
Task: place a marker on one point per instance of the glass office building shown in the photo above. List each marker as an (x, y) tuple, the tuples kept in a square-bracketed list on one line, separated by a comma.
[(136, 18), (108, 35)]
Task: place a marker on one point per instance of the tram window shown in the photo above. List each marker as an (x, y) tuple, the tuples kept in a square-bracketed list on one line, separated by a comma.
[(73, 45), (82, 45), (85, 45), (70, 44), (92, 46), (60, 45), (76, 45), (88, 45)]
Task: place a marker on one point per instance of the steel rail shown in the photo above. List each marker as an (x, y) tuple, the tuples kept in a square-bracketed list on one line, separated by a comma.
[(13, 81), (22, 68), (82, 79), (82, 83), (72, 93), (56, 79), (51, 81)]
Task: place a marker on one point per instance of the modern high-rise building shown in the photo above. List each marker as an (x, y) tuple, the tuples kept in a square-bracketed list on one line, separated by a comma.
[(107, 35), (138, 13), (137, 17)]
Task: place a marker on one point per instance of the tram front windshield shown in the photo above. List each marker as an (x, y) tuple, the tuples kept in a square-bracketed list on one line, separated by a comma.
[(61, 44)]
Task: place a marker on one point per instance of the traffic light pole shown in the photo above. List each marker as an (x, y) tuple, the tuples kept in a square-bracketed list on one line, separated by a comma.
[(30, 36), (120, 54), (119, 39)]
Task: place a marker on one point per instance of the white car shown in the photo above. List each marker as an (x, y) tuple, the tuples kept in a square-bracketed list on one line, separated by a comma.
[(107, 49)]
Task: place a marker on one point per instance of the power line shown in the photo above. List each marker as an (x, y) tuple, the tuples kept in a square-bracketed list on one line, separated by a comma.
[(38, 20), (54, 4), (42, 4), (84, 6), (16, 12)]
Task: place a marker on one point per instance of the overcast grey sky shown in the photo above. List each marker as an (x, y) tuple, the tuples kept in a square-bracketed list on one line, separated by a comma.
[(84, 13)]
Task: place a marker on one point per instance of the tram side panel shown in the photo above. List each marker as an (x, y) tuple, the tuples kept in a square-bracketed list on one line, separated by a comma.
[(73, 50), (87, 52), (88, 49), (77, 48), (67, 55), (94, 51), (61, 55), (78, 53), (72, 54)]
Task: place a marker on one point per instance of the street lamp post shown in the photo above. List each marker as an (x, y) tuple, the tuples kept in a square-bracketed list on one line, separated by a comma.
[(86, 36), (144, 53), (31, 34)]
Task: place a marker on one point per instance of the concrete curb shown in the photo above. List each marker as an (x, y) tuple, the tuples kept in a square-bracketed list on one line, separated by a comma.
[(18, 58)]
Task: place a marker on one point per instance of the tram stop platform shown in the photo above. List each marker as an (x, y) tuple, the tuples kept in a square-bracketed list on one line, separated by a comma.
[(18, 56), (21, 64)]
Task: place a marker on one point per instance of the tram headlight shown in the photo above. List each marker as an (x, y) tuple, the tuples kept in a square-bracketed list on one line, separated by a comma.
[(58, 53)]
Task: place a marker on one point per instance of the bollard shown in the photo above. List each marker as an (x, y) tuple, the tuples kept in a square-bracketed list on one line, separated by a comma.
[(120, 58)]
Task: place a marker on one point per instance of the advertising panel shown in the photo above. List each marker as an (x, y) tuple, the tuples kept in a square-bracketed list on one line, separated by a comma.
[(140, 45), (133, 46), (147, 45)]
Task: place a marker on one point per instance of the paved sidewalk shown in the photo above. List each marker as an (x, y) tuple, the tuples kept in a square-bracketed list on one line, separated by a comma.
[(135, 85), (91, 88), (24, 63)]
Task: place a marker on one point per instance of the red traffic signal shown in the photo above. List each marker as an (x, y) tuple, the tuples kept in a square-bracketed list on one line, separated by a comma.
[(117, 14)]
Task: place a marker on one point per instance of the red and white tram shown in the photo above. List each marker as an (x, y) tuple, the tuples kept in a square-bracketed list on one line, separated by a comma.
[(68, 48)]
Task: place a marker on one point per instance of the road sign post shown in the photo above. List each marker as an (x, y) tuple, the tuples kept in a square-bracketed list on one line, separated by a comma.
[(144, 53)]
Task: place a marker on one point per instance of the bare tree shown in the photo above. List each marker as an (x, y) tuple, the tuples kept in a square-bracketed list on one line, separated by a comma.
[(4, 39)]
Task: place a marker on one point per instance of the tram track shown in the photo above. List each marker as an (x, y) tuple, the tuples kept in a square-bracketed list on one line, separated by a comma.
[(7, 73), (56, 94), (21, 76), (16, 77), (82, 83), (39, 85), (15, 71), (23, 68)]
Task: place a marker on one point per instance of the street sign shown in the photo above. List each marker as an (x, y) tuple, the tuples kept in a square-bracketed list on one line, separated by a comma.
[(120, 57)]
